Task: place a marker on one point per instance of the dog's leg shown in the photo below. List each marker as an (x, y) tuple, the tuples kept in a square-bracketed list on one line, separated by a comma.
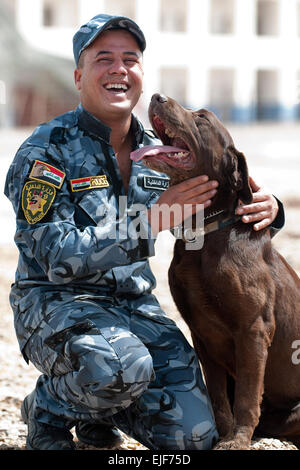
[(251, 355), (216, 382)]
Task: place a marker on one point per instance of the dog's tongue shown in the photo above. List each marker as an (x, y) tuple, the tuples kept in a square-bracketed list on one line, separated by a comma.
[(151, 150)]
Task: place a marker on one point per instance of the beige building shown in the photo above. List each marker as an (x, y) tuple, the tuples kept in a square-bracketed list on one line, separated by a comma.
[(240, 58)]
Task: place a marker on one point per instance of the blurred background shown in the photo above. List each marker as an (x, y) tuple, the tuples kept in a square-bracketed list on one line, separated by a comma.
[(239, 58)]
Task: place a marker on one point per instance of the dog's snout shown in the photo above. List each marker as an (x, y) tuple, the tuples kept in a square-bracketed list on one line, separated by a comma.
[(160, 98)]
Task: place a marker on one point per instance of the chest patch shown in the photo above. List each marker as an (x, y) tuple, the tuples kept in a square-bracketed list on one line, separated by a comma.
[(156, 182), (42, 171), (37, 198), (89, 182)]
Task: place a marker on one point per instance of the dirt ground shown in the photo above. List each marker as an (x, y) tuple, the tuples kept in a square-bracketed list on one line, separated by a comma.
[(17, 379)]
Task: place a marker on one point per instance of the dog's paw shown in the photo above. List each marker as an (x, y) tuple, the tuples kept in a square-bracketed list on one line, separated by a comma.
[(232, 444)]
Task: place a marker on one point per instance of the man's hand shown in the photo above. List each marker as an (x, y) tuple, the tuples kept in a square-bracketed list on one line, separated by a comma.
[(262, 210), (192, 192)]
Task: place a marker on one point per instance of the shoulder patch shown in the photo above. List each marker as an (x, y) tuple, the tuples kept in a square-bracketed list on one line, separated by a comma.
[(42, 171), (37, 198)]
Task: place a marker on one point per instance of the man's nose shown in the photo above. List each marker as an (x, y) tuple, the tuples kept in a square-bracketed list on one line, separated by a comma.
[(118, 67)]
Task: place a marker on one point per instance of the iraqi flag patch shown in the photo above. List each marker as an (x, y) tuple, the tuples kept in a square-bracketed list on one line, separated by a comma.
[(42, 171), (89, 182)]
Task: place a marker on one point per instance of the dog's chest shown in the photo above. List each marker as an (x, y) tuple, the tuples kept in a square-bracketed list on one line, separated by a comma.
[(203, 303)]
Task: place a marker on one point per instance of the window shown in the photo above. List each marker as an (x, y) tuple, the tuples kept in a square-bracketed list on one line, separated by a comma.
[(173, 83), (267, 94), (298, 93), (48, 15), (60, 14), (2, 92), (267, 23), (120, 8), (173, 15), (10, 6), (222, 16), (221, 84)]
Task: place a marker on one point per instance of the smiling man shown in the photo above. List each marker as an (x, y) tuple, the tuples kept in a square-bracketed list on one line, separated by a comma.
[(110, 72), (84, 312)]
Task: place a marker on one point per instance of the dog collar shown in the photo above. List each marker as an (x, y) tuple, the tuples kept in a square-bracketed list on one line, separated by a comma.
[(191, 235)]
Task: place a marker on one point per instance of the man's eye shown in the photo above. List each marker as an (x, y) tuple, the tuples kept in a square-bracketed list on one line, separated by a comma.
[(130, 61)]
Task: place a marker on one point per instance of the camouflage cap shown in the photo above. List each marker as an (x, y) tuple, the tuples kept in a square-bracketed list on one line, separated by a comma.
[(100, 23)]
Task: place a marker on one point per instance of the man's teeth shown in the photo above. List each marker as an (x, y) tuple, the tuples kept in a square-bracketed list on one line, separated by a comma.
[(170, 133), (116, 86)]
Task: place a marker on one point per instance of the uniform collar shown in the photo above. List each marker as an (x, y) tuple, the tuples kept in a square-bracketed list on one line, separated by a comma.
[(93, 125)]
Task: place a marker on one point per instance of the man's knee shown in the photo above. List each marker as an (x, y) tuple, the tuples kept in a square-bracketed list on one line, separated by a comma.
[(114, 370)]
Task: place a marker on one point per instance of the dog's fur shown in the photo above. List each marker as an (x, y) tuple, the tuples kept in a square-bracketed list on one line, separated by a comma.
[(237, 294)]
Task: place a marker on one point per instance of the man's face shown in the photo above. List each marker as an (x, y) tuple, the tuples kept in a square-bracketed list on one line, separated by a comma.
[(111, 76)]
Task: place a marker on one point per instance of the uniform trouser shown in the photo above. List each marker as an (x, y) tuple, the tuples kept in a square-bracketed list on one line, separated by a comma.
[(126, 364)]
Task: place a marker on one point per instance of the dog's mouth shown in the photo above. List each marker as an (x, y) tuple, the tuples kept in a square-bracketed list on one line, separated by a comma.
[(174, 152)]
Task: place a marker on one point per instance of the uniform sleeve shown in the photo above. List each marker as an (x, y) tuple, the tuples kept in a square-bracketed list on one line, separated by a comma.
[(279, 222), (63, 250)]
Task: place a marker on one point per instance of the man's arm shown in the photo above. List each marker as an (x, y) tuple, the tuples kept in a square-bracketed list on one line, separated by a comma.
[(62, 248), (265, 210), (194, 193)]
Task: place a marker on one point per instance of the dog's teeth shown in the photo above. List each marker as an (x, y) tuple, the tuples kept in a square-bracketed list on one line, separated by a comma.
[(178, 154)]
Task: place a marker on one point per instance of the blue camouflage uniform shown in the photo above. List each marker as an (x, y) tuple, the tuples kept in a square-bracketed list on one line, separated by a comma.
[(83, 309)]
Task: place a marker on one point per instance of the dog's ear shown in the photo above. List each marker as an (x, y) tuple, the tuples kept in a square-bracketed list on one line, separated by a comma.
[(236, 170)]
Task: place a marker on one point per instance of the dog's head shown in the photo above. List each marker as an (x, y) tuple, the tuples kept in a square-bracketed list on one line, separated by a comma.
[(194, 143)]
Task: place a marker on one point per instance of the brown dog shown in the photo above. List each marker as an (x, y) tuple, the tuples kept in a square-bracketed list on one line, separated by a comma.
[(238, 295)]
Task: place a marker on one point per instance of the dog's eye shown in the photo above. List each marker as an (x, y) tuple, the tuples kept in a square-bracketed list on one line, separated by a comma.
[(202, 116)]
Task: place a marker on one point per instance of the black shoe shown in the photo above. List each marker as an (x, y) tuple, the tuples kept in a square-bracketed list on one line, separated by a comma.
[(98, 434), (42, 436)]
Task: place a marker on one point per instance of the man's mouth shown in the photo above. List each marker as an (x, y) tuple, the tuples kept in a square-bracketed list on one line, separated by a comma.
[(174, 151), (116, 87)]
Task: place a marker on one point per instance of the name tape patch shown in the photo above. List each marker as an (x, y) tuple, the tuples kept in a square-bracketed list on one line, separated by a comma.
[(44, 172), (89, 182), (156, 182)]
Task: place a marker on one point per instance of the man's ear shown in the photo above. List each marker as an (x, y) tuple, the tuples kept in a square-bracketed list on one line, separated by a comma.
[(236, 170), (77, 78)]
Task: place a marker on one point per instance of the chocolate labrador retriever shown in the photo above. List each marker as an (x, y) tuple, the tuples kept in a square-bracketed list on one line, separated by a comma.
[(239, 297)]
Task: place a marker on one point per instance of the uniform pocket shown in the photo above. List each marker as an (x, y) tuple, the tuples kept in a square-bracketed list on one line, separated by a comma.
[(96, 205), (58, 340)]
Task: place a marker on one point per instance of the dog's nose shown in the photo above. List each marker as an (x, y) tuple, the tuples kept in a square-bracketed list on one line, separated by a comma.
[(160, 98)]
